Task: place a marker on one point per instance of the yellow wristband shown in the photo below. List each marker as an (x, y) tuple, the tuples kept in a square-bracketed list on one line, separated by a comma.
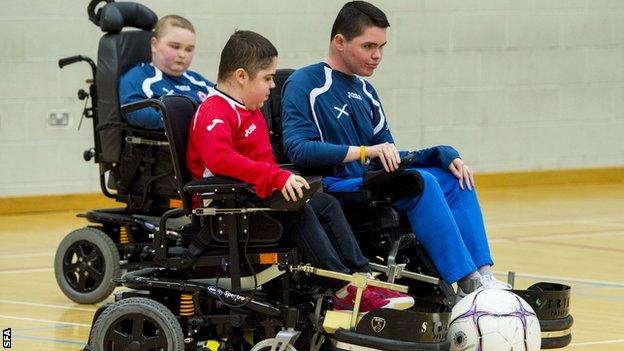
[(362, 154)]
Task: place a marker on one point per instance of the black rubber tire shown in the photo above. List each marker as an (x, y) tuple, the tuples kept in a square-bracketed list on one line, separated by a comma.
[(104, 262), (553, 325), (168, 335), (556, 324), (557, 342)]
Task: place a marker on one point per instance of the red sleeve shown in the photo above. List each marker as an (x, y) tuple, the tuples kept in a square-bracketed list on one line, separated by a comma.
[(217, 152)]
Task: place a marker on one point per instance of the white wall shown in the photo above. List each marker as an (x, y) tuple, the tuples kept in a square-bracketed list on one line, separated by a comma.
[(513, 84)]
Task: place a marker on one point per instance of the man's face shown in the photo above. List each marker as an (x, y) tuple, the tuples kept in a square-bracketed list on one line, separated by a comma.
[(173, 52), (362, 54), (256, 91)]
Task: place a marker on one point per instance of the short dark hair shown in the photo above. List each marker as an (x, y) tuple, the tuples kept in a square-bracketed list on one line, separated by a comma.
[(247, 50), (355, 16)]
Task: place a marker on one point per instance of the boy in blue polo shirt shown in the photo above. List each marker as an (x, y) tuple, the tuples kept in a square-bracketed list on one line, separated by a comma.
[(173, 46)]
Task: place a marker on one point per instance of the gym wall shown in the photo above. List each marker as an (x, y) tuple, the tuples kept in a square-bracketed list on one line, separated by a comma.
[(515, 85)]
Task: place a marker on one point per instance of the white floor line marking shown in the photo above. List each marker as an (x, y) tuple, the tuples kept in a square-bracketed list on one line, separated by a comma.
[(604, 283), (590, 343), (556, 236), (24, 255), (13, 302), (28, 270), (44, 321)]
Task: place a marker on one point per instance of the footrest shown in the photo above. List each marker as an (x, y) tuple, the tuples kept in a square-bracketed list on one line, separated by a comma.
[(551, 303), (425, 325), (348, 340), (422, 327)]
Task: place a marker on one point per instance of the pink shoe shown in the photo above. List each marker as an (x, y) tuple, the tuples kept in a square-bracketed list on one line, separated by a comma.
[(400, 301), (345, 298)]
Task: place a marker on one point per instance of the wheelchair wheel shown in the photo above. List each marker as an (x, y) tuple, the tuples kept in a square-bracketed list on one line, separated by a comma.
[(85, 263), (267, 344), (137, 323)]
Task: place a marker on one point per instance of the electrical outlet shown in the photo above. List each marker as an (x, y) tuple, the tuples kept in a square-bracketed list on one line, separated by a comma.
[(58, 119)]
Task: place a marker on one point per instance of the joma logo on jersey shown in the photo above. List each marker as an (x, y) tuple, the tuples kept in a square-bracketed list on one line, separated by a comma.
[(250, 130), (214, 123), (183, 87), (351, 95)]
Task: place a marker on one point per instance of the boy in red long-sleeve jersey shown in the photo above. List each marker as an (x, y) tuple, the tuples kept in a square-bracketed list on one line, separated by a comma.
[(229, 137)]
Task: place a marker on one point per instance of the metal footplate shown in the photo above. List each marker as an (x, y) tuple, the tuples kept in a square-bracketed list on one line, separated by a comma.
[(551, 303), (398, 271), (360, 280), (384, 329)]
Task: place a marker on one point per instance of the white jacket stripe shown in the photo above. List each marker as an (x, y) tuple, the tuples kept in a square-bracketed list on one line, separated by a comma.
[(376, 103), (318, 91)]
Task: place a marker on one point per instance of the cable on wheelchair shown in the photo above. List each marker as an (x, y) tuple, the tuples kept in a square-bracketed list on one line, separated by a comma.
[(84, 112), (253, 272), (148, 184)]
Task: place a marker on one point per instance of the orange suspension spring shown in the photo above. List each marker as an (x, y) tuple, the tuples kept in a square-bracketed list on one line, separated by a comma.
[(123, 236), (187, 306)]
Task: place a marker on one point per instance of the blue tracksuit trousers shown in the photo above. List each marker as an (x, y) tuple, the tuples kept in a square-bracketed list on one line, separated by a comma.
[(445, 219)]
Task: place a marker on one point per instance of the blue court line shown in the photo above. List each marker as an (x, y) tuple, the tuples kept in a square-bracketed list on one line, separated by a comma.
[(81, 343)]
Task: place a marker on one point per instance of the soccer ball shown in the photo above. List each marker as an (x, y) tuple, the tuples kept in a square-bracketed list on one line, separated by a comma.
[(492, 319)]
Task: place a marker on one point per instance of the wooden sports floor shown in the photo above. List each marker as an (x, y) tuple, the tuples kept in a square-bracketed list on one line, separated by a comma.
[(567, 233)]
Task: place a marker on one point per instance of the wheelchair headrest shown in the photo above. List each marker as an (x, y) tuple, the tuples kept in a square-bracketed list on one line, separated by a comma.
[(114, 16)]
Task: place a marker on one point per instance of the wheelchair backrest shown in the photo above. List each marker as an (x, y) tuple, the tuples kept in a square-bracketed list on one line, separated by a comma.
[(272, 111), (273, 114), (118, 51), (178, 115)]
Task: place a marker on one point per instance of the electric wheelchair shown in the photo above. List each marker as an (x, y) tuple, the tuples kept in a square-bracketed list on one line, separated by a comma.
[(246, 290), (243, 289), (134, 164), (380, 228), (143, 236)]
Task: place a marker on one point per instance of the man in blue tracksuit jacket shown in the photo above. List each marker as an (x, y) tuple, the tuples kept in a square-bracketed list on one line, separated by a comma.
[(332, 116)]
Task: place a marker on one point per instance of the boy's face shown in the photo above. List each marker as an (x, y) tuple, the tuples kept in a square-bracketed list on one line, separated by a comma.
[(255, 91), (362, 54), (173, 52)]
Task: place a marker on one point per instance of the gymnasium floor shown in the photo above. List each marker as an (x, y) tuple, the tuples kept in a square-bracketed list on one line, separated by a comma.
[(567, 233)]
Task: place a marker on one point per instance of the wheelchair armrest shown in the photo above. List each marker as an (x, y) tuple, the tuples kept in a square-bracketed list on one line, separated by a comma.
[(358, 195), (141, 104), (218, 184), (377, 174)]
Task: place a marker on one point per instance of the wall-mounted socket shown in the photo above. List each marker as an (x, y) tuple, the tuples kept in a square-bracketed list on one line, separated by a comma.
[(58, 119)]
